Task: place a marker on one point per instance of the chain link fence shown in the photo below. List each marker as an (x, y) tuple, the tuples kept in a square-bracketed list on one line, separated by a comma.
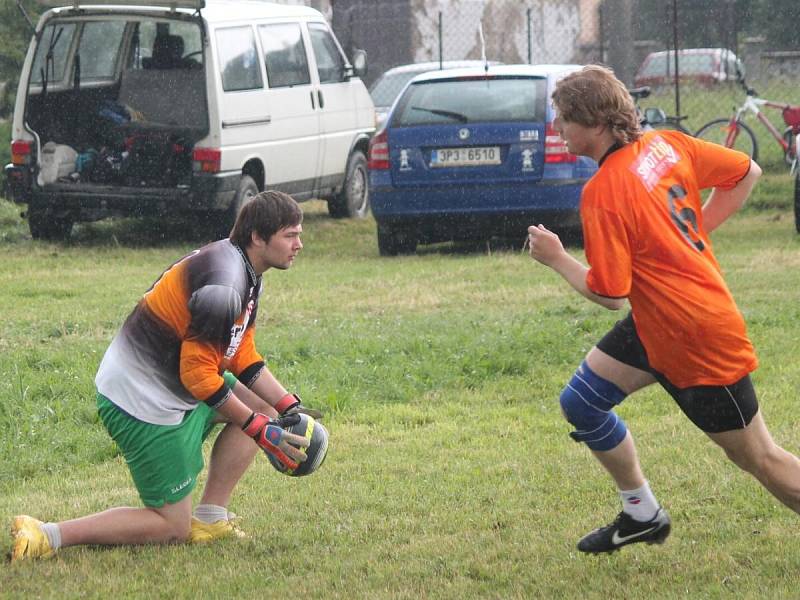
[(635, 37)]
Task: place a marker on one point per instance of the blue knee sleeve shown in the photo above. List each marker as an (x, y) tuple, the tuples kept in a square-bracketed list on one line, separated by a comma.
[(587, 401)]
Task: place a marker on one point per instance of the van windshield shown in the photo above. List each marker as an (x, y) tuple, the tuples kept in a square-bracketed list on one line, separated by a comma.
[(498, 99)]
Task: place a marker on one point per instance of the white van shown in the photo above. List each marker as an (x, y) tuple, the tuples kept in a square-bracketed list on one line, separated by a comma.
[(164, 107)]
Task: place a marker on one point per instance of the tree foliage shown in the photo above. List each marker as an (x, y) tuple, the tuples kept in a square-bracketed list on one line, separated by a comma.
[(15, 36), (721, 23)]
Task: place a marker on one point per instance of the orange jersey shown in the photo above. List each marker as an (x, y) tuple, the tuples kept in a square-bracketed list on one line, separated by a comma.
[(644, 240), (196, 321)]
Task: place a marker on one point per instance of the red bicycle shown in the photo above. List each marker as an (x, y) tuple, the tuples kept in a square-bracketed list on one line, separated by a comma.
[(734, 133)]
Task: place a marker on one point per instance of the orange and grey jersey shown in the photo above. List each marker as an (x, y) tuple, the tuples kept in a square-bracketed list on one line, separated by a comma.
[(196, 321)]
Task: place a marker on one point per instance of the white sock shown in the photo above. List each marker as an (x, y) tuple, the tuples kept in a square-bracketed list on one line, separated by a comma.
[(210, 513), (640, 503), (53, 534)]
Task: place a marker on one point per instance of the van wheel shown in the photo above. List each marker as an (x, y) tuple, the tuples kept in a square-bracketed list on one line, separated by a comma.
[(44, 226), (392, 241), (353, 201), (245, 192)]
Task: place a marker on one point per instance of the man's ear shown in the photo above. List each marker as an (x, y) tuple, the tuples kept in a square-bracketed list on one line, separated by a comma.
[(256, 240)]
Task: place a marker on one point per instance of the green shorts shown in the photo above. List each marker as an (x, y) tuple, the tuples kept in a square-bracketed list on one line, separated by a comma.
[(164, 460)]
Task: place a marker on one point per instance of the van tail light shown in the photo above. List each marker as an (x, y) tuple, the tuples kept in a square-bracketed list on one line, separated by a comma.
[(21, 152), (379, 152), (207, 160), (555, 149)]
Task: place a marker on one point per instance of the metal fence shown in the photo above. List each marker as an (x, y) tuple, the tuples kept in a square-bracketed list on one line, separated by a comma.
[(615, 32)]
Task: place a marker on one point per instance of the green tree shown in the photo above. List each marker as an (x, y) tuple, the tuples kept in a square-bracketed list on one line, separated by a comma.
[(15, 36)]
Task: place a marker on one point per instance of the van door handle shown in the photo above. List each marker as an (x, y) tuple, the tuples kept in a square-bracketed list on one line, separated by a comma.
[(321, 101), (311, 93)]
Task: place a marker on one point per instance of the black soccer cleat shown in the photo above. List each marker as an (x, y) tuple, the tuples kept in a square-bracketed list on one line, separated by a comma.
[(626, 530)]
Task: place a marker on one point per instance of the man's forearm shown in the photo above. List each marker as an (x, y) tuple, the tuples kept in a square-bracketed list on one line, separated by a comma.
[(575, 274)]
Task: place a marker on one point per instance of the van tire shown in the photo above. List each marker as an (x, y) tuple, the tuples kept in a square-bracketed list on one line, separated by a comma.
[(353, 200), (393, 241), (244, 193), (44, 226)]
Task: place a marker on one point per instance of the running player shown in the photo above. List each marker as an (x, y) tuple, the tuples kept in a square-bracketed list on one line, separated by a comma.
[(160, 391), (646, 241)]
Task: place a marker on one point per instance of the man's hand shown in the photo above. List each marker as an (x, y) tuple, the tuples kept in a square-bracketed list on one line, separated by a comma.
[(291, 404), (271, 436), (544, 245)]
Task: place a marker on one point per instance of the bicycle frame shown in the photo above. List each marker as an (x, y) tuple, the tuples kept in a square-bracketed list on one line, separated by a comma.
[(752, 104)]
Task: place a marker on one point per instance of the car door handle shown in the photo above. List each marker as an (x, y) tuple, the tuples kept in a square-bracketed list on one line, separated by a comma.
[(321, 100), (311, 93)]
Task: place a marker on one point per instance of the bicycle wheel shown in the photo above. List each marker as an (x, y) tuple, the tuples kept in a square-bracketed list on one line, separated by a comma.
[(717, 131), (788, 137), (672, 126), (797, 200)]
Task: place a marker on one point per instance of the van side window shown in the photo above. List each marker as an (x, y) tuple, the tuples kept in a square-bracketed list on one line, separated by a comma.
[(330, 62), (284, 55), (99, 47), (58, 38), (238, 59)]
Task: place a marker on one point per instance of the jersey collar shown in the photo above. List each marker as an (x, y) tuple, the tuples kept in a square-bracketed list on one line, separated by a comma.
[(251, 272), (613, 148)]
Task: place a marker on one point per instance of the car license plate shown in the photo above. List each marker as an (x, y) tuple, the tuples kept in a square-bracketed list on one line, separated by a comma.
[(466, 157)]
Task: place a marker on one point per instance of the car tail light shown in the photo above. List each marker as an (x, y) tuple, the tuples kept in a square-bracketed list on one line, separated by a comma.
[(379, 151), (21, 152), (555, 149), (207, 160)]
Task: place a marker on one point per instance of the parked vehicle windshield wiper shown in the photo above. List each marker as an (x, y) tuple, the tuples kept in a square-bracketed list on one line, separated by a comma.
[(49, 62), (444, 113)]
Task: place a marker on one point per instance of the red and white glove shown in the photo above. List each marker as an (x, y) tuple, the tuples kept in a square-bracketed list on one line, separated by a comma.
[(272, 437), (291, 404)]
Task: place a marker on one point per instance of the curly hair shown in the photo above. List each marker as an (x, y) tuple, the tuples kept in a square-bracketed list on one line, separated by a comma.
[(594, 96)]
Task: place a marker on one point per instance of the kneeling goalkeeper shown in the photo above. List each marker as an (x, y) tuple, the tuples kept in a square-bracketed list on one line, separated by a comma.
[(160, 391)]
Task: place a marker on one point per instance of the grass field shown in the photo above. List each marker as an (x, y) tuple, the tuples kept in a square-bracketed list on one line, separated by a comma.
[(450, 473)]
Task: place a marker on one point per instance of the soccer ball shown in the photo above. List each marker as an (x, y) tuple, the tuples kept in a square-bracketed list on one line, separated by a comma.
[(316, 451)]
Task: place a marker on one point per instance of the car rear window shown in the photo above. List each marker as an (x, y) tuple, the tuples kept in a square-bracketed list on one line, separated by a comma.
[(498, 99), (389, 85), (689, 64)]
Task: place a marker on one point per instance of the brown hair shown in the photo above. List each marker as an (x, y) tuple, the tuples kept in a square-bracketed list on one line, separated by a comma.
[(266, 214), (594, 96)]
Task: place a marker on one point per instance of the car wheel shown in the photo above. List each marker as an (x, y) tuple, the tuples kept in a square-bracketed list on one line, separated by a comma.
[(44, 226), (353, 200), (393, 241), (245, 192)]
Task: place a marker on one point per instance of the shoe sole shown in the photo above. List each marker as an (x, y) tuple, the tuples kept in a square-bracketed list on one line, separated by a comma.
[(660, 537)]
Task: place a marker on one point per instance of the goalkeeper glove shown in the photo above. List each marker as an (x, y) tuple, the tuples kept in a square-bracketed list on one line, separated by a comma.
[(291, 404), (269, 435)]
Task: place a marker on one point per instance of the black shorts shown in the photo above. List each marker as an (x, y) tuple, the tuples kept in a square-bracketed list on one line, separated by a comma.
[(712, 408)]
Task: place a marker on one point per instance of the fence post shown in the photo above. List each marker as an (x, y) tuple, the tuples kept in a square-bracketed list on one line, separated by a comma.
[(618, 21), (530, 41), (753, 49), (440, 41)]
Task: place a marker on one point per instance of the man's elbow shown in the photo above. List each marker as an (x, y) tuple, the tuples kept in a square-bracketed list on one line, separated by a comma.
[(614, 303), (755, 170)]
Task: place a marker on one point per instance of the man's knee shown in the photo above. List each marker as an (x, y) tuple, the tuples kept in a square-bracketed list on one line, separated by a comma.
[(587, 402)]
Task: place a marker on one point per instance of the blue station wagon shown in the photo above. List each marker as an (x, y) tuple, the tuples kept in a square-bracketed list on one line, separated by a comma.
[(472, 154)]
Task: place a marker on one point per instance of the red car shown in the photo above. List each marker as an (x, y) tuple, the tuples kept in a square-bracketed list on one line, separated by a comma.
[(705, 66)]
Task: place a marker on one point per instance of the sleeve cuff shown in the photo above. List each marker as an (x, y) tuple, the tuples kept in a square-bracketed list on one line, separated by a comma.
[(249, 375), (220, 397)]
